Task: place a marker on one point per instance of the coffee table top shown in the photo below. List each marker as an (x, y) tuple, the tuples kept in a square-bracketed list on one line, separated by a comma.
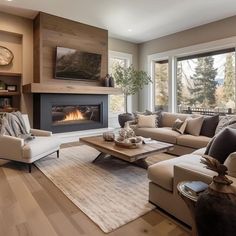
[(131, 155)]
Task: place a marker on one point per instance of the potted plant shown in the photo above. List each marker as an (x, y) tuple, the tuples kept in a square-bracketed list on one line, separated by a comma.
[(130, 81)]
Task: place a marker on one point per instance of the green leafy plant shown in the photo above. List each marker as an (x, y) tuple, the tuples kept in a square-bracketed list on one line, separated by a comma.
[(130, 80)]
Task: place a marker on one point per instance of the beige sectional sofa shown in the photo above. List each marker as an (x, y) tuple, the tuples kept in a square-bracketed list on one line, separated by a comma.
[(164, 176), (183, 143)]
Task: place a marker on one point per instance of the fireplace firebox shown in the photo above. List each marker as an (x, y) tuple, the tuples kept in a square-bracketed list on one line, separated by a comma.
[(70, 112)]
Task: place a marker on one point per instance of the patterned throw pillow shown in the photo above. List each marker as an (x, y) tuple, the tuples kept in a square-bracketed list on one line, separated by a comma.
[(147, 121), (179, 126), (147, 113)]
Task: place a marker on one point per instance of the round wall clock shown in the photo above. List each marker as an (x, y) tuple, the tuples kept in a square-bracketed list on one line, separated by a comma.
[(6, 56)]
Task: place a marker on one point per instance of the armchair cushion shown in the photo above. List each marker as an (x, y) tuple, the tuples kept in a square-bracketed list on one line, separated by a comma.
[(40, 147)]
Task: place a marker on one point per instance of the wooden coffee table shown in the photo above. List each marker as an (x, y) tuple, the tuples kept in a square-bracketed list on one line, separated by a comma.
[(137, 155)]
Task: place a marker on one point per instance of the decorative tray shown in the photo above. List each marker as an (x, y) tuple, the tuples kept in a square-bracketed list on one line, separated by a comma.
[(130, 143)]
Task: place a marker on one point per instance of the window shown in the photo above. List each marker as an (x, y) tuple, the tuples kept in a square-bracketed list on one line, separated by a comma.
[(206, 82), (116, 102), (161, 85)]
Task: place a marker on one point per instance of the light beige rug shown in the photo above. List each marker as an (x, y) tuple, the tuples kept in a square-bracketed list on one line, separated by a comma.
[(110, 192)]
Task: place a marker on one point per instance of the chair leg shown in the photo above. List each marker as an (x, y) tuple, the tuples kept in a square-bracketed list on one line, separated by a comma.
[(29, 166), (57, 153)]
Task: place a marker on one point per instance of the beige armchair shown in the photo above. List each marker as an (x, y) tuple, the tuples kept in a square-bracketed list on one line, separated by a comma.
[(16, 149)]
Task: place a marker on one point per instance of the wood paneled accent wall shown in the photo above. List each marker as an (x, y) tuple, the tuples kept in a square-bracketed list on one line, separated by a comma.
[(52, 31)]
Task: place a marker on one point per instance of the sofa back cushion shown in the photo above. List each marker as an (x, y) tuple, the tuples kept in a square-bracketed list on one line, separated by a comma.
[(209, 125), (222, 145), (168, 119), (194, 125)]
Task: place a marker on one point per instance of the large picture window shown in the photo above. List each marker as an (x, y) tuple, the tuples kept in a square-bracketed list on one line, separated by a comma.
[(161, 76), (116, 102), (206, 82)]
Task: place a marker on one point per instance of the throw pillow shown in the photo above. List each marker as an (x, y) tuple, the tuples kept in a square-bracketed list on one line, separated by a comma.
[(147, 121), (222, 145), (158, 114), (194, 125), (147, 113), (177, 126), (209, 126), (224, 122)]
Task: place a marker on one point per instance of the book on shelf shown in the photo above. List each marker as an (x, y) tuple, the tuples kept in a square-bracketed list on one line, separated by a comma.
[(4, 91), (195, 187)]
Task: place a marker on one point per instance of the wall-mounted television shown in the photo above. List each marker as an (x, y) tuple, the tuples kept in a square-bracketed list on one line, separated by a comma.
[(77, 65)]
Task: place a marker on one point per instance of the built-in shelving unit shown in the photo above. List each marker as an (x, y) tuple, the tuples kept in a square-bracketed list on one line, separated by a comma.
[(10, 100)]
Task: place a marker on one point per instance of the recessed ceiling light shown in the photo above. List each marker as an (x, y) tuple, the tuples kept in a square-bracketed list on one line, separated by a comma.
[(130, 30)]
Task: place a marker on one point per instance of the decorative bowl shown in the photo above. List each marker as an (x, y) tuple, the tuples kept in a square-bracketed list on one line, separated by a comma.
[(130, 143)]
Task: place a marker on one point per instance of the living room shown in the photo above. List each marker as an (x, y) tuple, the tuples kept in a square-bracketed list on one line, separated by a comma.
[(90, 153)]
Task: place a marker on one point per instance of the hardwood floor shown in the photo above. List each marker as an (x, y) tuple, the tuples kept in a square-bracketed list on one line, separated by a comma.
[(30, 204)]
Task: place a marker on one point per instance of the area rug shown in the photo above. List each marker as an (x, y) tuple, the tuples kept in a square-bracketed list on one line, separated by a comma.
[(110, 192)]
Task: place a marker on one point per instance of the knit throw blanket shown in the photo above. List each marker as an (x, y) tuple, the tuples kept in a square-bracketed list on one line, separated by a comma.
[(13, 124)]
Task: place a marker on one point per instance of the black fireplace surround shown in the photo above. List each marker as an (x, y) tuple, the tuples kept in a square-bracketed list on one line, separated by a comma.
[(70, 112)]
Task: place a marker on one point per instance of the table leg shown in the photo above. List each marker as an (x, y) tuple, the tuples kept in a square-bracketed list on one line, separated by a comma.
[(141, 163), (100, 157)]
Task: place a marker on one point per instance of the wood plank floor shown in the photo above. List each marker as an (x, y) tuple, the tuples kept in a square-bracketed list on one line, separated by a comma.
[(30, 205)]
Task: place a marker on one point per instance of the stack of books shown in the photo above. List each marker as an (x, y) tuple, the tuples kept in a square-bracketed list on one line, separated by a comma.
[(195, 187)]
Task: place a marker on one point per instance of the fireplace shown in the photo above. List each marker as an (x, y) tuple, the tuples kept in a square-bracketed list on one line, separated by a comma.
[(70, 112)]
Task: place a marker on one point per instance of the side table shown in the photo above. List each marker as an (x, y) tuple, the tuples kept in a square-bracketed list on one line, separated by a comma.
[(190, 201)]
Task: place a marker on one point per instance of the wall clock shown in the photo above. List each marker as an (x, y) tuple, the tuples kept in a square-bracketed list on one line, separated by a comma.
[(6, 56)]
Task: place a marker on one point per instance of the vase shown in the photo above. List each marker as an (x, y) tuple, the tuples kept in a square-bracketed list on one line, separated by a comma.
[(215, 211), (122, 118)]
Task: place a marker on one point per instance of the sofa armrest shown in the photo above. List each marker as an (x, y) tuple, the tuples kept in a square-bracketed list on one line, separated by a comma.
[(11, 147), (39, 132), (189, 172), (230, 163)]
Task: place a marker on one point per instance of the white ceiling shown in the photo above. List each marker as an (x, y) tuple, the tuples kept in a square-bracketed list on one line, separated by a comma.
[(132, 20)]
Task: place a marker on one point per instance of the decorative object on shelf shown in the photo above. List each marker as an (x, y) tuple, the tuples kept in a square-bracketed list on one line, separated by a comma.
[(111, 82), (11, 88), (106, 80), (130, 81), (6, 56), (2, 85), (5, 102), (109, 136), (216, 207)]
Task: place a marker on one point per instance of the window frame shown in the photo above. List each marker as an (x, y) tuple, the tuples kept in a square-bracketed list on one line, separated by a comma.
[(123, 56), (172, 56)]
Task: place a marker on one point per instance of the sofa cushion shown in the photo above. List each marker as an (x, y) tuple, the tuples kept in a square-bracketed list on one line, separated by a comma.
[(224, 122), (194, 125), (147, 121), (209, 125), (222, 145), (40, 145), (188, 140), (162, 173), (165, 134), (168, 119)]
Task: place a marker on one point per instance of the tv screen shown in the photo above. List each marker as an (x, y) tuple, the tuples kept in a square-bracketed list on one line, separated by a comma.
[(78, 65)]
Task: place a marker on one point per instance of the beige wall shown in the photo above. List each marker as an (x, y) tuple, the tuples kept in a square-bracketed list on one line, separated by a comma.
[(210, 32), (126, 47), (24, 29)]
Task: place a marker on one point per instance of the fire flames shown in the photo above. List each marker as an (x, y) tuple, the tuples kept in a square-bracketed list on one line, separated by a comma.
[(74, 115)]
